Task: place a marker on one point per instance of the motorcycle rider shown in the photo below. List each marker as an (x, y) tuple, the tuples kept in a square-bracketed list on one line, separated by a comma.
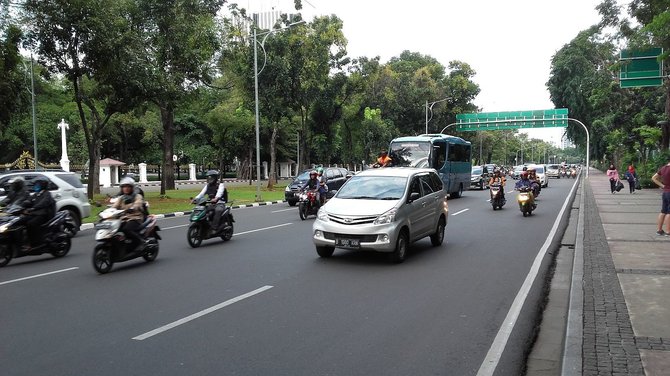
[(534, 179), (525, 182), (40, 208), (498, 178), (314, 184), (215, 191), (323, 187), (132, 202), (17, 192)]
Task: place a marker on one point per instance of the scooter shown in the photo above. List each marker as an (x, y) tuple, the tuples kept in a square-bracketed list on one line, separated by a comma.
[(55, 240), (113, 245), (201, 224), (573, 173), (526, 201), (497, 196)]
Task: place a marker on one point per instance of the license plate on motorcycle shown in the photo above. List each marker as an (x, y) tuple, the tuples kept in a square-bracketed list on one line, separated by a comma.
[(347, 243), (102, 226)]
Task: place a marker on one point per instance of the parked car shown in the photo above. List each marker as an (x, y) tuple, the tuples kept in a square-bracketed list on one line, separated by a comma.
[(65, 187), (383, 210), (479, 178), (553, 171), (336, 176)]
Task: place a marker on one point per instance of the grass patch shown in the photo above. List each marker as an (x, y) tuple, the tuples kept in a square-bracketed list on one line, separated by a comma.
[(180, 200)]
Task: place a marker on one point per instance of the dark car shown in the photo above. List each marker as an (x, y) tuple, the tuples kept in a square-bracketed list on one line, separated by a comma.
[(336, 176), (479, 178)]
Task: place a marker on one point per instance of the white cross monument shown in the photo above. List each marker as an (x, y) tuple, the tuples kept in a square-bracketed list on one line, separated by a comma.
[(64, 162)]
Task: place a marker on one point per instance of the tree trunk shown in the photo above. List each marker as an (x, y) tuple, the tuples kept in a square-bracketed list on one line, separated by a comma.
[(167, 119), (93, 172), (272, 176)]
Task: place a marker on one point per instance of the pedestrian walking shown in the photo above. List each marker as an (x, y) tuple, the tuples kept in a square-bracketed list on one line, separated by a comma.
[(613, 175), (662, 179), (631, 176)]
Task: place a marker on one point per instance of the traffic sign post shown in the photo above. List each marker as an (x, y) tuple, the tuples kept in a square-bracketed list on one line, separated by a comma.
[(640, 68)]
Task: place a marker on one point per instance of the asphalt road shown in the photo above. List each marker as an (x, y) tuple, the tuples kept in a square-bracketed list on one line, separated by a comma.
[(353, 314)]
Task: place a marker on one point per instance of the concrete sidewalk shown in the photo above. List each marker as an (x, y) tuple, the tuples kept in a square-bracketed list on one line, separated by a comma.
[(608, 308), (626, 280)]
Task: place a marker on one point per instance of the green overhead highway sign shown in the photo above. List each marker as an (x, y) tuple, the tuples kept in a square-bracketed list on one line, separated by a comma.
[(640, 68), (512, 120)]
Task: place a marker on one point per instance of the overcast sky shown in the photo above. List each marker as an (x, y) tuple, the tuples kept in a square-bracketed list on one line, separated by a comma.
[(509, 43)]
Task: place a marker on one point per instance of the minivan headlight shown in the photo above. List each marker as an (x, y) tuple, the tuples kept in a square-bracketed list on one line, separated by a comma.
[(387, 217), (321, 215), (4, 228), (288, 188)]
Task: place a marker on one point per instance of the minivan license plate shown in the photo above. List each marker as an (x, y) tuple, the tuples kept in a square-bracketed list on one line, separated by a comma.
[(347, 243)]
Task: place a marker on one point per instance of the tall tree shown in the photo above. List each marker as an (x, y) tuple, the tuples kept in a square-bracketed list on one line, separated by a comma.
[(643, 23), (174, 55), (82, 40)]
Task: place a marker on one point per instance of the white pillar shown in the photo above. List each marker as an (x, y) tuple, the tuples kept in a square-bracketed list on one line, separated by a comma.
[(143, 173), (105, 178), (191, 171), (64, 161)]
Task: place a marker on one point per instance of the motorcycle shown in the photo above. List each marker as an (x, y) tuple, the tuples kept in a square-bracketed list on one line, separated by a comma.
[(573, 174), (497, 196), (55, 240), (113, 245), (526, 201), (307, 204), (201, 224)]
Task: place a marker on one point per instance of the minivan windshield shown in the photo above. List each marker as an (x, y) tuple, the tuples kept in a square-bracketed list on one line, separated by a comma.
[(373, 188), (476, 171), (303, 176)]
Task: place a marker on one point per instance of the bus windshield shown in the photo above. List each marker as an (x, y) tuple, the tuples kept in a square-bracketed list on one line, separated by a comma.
[(410, 154)]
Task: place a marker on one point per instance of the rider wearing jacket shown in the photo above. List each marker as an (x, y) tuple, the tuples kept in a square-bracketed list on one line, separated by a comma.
[(525, 182), (215, 192), (40, 208), (133, 203), (498, 178), (18, 193), (314, 184)]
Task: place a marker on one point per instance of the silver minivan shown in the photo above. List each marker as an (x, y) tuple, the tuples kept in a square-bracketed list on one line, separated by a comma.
[(383, 210)]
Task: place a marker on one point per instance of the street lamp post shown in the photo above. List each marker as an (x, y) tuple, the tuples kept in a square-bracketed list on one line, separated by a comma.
[(256, 73), (429, 107)]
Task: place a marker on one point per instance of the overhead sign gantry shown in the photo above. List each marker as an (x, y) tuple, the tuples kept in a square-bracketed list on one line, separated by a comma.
[(493, 121)]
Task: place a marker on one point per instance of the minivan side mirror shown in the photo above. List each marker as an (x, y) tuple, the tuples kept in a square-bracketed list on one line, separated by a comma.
[(414, 196)]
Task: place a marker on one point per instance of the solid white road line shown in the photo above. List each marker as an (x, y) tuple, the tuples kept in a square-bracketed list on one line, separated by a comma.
[(199, 314), (492, 358), (512, 191), (462, 211), (39, 275), (283, 210)]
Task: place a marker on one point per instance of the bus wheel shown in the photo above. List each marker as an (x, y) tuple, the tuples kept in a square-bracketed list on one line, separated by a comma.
[(458, 193)]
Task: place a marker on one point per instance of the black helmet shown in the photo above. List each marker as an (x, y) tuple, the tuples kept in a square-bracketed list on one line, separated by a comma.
[(212, 176), (40, 183), (17, 184)]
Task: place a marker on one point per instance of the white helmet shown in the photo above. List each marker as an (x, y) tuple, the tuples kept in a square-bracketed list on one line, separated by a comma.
[(127, 181)]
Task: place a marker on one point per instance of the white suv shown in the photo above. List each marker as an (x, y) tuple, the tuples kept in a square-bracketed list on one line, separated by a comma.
[(65, 187), (384, 210)]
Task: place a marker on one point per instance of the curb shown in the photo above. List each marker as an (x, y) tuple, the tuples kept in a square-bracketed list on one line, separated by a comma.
[(88, 226)]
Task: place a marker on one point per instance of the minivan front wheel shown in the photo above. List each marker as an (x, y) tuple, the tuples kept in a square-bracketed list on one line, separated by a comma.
[(401, 245)]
